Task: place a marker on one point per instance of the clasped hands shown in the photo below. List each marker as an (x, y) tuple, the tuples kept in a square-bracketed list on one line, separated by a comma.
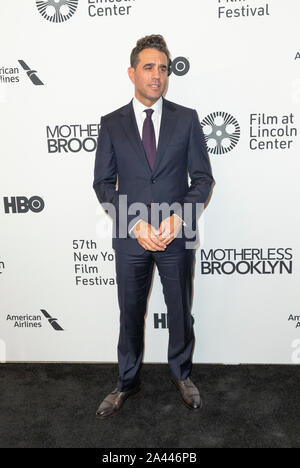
[(157, 239)]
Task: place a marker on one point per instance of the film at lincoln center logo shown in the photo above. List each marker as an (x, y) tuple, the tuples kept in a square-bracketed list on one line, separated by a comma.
[(57, 11), (221, 131)]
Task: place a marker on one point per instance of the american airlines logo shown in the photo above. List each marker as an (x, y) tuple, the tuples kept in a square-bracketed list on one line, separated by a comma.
[(32, 321), (31, 73), (52, 321)]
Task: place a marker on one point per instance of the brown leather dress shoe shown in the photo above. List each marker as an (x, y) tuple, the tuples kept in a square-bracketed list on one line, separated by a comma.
[(189, 393), (114, 401)]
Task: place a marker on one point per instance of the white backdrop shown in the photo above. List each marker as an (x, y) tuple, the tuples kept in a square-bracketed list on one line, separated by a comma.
[(57, 78)]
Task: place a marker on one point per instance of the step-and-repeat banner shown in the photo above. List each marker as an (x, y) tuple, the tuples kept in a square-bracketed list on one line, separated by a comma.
[(63, 64)]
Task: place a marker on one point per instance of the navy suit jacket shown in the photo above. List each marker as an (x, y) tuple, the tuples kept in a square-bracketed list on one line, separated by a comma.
[(122, 161)]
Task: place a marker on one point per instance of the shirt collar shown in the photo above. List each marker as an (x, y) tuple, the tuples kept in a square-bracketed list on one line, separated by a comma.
[(139, 107)]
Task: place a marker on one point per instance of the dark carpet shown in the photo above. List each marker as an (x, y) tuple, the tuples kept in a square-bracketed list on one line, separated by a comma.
[(54, 405)]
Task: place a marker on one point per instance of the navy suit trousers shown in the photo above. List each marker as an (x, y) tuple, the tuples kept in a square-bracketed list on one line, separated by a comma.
[(134, 277)]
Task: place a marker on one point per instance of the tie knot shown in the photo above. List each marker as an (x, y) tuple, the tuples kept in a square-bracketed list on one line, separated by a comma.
[(149, 113)]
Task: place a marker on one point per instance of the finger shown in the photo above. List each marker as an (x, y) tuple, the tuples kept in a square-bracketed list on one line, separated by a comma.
[(150, 240), (160, 245), (154, 233), (154, 245), (170, 240), (158, 241), (163, 239), (170, 237), (146, 246), (166, 234)]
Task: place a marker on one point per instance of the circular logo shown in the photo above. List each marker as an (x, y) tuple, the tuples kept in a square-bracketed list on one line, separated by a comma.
[(57, 11), (180, 66), (221, 131), (36, 204)]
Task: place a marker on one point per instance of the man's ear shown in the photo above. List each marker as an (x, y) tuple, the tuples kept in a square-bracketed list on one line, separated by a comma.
[(131, 74)]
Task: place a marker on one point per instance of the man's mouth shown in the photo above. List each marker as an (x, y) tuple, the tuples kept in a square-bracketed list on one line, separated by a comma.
[(154, 86)]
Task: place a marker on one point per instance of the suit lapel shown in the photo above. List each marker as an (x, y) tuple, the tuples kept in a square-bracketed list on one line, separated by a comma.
[(167, 127), (131, 129)]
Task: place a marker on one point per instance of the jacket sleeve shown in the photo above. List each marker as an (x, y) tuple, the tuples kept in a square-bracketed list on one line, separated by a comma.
[(105, 180), (105, 172), (199, 171)]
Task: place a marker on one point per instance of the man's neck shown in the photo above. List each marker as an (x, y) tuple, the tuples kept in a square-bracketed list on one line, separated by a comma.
[(153, 103), (147, 103)]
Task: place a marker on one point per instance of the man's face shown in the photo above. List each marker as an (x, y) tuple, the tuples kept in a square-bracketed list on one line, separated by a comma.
[(150, 77)]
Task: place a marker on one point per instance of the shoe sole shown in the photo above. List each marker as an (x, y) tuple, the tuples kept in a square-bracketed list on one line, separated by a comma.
[(184, 402), (132, 392)]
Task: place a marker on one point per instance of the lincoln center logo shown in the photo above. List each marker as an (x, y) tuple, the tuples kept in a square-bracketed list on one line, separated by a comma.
[(221, 132), (57, 11)]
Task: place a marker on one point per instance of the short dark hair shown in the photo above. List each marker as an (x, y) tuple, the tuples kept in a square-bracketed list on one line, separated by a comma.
[(155, 41)]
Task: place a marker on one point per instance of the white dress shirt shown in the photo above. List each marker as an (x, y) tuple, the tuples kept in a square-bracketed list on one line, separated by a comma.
[(140, 117)]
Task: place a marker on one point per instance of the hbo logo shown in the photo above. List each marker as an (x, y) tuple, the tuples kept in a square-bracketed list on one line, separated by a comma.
[(23, 204), (180, 66)]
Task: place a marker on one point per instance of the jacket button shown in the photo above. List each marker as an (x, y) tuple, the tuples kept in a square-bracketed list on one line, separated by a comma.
[(153, 181)]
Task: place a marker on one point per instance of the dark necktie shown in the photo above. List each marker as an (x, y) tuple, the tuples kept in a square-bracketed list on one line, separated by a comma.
[(148, 138)]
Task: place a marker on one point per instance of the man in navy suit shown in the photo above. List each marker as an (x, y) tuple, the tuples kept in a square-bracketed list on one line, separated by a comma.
[(147, 149)]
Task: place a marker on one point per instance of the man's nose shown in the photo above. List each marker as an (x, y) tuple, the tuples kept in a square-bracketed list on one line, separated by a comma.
[(156, 73)]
